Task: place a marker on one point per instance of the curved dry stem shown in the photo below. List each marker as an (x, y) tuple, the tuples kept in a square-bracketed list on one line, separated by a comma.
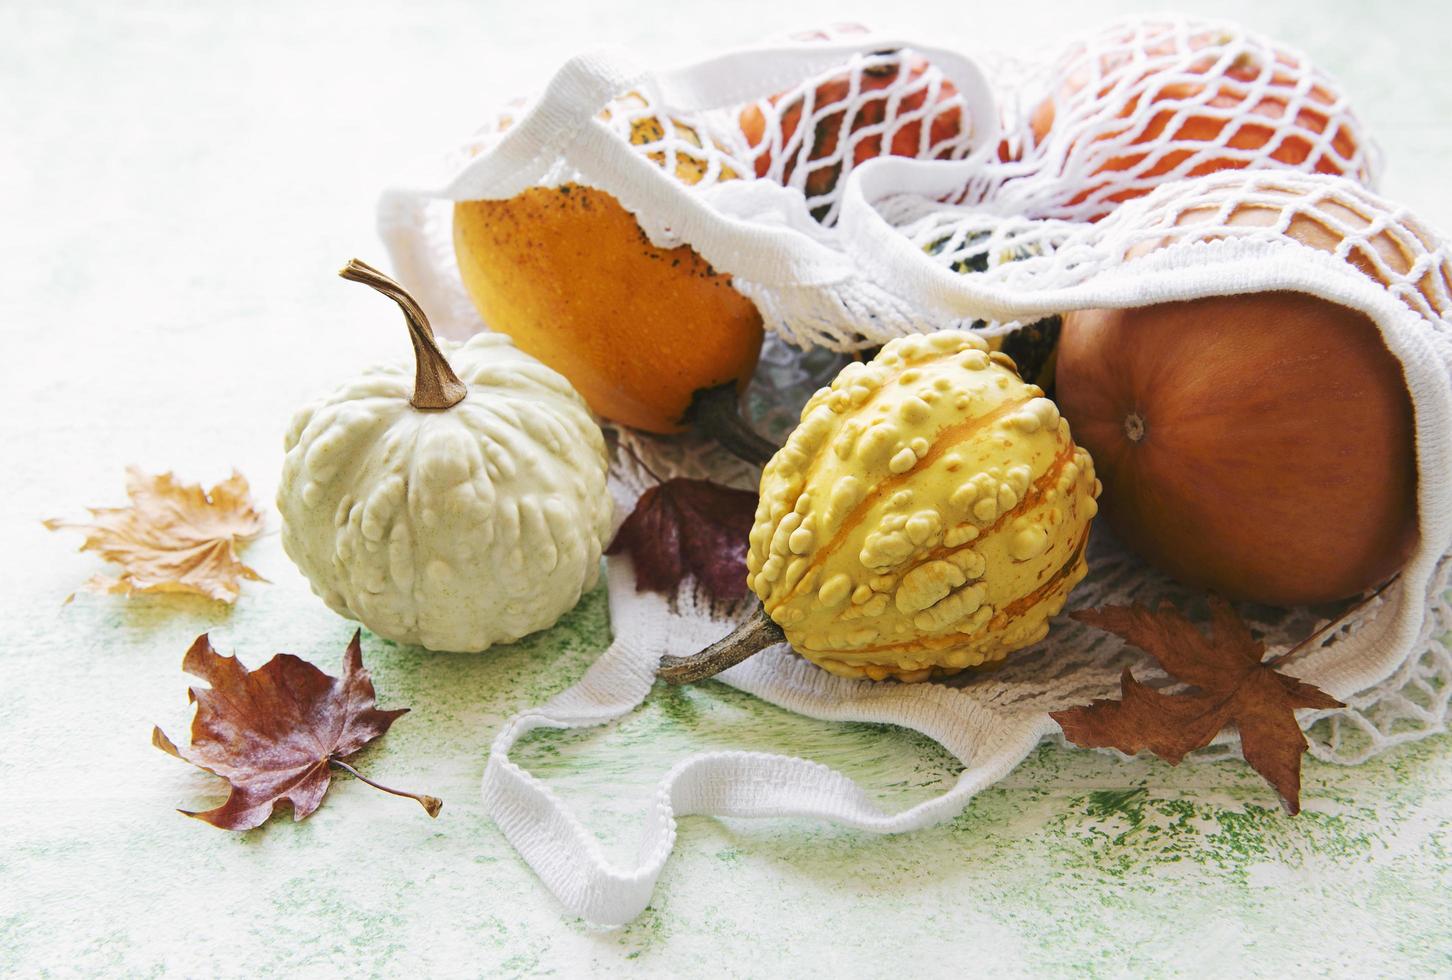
[(431, 804), (751, 637), (1331, 624), (435, 385), (717, 413)]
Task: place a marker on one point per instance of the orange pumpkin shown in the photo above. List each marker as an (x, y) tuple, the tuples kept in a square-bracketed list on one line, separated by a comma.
[(851, 116), (1255, 94), (1259, 446)]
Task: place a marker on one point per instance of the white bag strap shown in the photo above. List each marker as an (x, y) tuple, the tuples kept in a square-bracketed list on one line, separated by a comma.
[(568, 858)]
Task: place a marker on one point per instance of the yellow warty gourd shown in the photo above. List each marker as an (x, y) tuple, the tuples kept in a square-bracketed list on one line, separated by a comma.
[(929, 514)]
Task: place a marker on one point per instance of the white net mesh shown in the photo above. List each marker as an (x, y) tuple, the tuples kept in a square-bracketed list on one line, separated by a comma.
[(698, 149), (808, 137), (1162, 146), (1379, 239), (891, 102), (1142, 103), (694, 148), (1117, 113)]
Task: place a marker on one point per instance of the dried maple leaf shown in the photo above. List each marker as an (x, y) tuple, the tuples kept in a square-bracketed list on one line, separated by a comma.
[(274, 733), (696, 527), (173, 537), (1233, 686)]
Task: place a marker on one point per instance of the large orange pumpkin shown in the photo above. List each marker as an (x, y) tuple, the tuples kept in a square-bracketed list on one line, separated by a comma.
[(1259, 446)]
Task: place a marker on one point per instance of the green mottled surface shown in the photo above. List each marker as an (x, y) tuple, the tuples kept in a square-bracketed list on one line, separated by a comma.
[(179, 182)]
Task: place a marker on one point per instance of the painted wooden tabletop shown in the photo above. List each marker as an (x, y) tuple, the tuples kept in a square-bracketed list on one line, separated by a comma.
[(179, 183)]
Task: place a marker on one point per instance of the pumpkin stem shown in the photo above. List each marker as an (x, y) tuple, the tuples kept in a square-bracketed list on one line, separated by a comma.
[(716, 412), (1135, 427), (751, 637), (435, 385), (431, 804)]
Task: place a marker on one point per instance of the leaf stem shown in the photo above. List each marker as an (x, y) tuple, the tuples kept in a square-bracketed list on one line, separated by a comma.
[(1332, 623), (748, 639), (641, 463), (716, 412), (435, 385), (431, 804)]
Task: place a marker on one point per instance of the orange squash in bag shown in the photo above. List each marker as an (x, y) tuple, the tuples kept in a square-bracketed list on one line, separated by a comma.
[(567, 272), (638, 330), (1259, 446), (1255, 95)]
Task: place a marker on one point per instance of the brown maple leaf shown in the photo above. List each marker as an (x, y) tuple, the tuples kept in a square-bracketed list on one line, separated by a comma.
[(682, 526), (275, 732), (173, 537), (1232, 687)]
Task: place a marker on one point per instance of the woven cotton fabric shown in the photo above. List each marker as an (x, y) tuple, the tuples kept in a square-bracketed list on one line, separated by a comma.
[(930, 203)]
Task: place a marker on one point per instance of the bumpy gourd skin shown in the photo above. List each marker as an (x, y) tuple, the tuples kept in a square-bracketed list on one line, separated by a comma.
[(454, 529), (928, 514)]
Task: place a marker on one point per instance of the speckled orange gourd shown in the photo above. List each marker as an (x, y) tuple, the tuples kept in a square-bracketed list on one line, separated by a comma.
[(568, 273), (929, 514)]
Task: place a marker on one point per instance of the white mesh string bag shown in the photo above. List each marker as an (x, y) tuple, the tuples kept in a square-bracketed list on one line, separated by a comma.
[(977, 233), (1143, 102)]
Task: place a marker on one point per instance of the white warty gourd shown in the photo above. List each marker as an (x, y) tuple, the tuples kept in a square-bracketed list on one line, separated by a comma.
[(467, 509)]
